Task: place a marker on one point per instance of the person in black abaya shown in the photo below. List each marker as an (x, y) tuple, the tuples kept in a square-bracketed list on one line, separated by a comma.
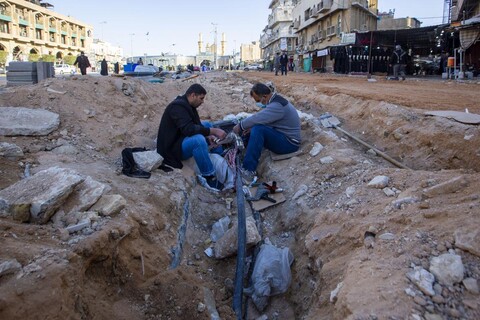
[(104, 68)]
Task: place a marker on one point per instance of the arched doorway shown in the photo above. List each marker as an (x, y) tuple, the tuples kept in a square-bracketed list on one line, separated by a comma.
[(33, 55), (17, 54), (3, 57)]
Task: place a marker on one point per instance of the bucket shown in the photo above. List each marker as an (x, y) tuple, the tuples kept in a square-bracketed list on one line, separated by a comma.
[(451, 62)]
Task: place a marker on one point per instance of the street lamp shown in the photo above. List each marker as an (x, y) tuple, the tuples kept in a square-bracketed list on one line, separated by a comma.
[(215, 45), (131, 45), (102, 23)]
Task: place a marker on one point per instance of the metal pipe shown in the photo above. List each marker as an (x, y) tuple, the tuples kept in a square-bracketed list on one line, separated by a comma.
[(380, 153)]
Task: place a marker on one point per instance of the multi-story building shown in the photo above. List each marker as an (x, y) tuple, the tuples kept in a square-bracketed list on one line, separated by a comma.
[(250, 52), (103, 50), (320, 25), (387, 21), (32, 28), (462, 10), (278, 35), (465, 19)]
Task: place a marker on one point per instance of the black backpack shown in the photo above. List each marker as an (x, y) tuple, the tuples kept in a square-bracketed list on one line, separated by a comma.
[(130, 168)]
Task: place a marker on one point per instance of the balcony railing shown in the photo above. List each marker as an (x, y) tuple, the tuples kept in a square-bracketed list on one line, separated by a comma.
[(6, 15), (22, 22)]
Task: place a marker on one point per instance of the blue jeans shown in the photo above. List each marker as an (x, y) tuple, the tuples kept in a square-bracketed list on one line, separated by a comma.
[(262, 136), (196, 146)]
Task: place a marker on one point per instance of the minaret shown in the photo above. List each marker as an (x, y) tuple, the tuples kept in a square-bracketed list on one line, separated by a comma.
[(200, 43), (223, 43)]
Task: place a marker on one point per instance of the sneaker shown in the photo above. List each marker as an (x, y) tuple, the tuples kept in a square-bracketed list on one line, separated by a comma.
[(248, 177), (211, 183)]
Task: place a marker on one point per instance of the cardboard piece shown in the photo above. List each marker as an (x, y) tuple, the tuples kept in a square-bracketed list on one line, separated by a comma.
[(264, 204), (463, 117)]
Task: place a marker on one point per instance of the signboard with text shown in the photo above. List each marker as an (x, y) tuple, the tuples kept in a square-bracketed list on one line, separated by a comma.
[(283, 44), (348, 38)]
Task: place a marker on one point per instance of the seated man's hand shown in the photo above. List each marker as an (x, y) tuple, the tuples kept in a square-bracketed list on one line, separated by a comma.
[(217, 132), (212, 141)]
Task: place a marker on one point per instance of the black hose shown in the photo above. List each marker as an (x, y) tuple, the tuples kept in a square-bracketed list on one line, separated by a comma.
[(241, 247)]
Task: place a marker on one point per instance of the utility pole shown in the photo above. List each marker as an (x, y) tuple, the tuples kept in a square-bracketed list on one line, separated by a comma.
[(215, 45)]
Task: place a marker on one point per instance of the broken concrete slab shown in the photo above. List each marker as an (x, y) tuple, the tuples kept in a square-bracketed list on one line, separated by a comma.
[(9, 150), (38, 197), (450, 186), (147, 160), (85, 195), (9, 267), (109, 205), (463, 117), (27, 122), (227, 245), (468, 239), (79, 226)]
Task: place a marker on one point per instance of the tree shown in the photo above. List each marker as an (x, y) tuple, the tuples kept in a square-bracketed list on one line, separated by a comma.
[(3, 57), (69, 59), (34, 57), (48, 58)]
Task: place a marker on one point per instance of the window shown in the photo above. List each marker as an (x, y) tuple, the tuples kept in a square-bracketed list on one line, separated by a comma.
[(52, 37), (63, 39), (339, 24), (4, 27), (38, 34), (23, 31), (307, 14)]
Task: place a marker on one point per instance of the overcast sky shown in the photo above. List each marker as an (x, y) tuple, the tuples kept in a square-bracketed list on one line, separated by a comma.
[(174, 26)]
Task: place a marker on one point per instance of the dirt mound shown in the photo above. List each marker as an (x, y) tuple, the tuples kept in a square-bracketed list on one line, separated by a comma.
[(342, 232)]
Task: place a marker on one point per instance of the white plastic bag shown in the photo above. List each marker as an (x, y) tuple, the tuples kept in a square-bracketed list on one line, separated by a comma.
[(223, 172), (271, 275)]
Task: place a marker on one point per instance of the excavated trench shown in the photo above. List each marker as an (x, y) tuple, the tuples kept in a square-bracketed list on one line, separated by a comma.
[(150, 263)]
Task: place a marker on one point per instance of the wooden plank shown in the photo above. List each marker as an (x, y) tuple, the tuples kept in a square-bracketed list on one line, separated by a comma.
[(264, 204), (277, 157)]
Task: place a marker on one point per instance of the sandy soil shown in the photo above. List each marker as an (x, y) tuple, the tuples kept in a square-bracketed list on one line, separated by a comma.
[(123, 270)]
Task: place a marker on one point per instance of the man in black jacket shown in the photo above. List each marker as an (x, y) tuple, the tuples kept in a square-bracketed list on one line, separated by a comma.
[(83, 63), (181, 135), (399, 61), (283, 63)]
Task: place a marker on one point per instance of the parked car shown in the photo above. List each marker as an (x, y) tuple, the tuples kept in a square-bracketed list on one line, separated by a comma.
[(254, 66), (63, 68)]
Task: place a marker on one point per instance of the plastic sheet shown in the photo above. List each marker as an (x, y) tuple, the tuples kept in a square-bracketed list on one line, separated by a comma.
[(271, 275)]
